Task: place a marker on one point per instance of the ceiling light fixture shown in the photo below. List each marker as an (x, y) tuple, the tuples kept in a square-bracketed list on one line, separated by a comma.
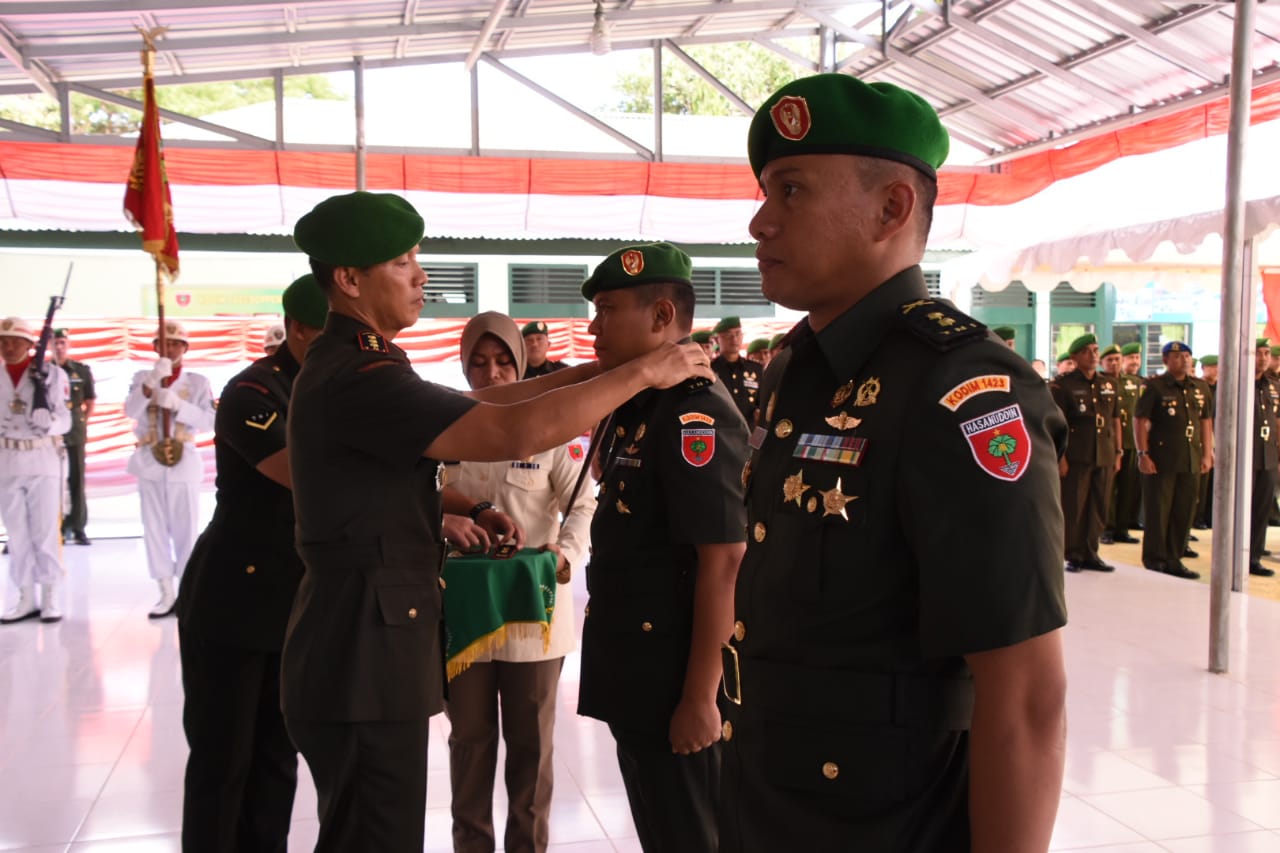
[(600, 42)]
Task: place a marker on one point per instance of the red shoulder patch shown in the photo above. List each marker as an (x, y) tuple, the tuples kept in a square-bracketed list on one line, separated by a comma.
[(261, 389), (365, 368), (698, 446), (999, 442)]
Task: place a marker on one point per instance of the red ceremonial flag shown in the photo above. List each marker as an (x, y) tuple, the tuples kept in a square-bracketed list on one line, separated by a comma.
[(146, 199), (1271, 296)]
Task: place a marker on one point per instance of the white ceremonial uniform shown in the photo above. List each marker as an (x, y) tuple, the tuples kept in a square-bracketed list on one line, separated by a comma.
[(31, 477), (534, 493), (170, 495)]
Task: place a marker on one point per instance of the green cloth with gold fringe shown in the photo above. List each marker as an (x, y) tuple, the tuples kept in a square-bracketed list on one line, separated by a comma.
[(489, 601)]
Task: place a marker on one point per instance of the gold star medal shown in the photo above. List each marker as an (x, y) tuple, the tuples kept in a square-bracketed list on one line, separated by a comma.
[(794, 487), (843, 393), (868, 392), (843, 421), (834, 501)]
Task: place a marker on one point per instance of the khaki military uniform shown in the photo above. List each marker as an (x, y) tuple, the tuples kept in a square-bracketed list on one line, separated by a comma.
[(903, 512), (1090, 406), (1179, 412)]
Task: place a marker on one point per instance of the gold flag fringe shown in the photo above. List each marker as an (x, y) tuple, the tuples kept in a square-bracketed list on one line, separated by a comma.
[(495, 640)]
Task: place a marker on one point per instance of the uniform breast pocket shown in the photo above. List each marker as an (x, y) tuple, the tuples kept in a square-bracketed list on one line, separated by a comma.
[(409, 605), (527, 479)]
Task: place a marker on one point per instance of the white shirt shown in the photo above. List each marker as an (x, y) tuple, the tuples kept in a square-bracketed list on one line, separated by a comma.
[(194, 415), (15, 423), (535, 492)]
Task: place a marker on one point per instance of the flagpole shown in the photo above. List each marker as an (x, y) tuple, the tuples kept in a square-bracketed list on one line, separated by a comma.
[(148, 73)]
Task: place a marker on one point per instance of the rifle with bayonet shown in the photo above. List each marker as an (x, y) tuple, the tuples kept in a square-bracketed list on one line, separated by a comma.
[(39, 370)]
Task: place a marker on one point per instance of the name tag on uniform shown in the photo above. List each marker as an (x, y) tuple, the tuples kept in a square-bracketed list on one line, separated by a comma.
[(841, 449), (757, 437), (748, 382), (526, 466), (627, 461)]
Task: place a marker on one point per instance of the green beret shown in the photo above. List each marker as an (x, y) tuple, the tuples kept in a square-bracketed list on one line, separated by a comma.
[(1209, 361), (701, 337), (1005, 333), (1081, 342), (757, 345), (776, 339), (1066, 356), (726, 324), (1263, 342), (534, 327), (59, 333), (1275, 351), (646, 263), (1131, 349), (1114, 349), (305, 302), (359, 229), (840, 114)]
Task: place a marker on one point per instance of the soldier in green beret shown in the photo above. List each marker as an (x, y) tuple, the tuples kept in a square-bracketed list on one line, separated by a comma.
[(775, 343), (362, 668), (758, 351), (242, 768), (80, 402), (536, 344), (705, 338), (666, 541), (1273, 369), (1173, 429), (1266, 455), (1007, 334), (740, 375), (1126, 495), (1089, 401), (1065, 365), (895, 679)]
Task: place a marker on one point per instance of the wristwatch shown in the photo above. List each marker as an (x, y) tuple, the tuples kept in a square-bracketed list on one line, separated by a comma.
[(479, 508)]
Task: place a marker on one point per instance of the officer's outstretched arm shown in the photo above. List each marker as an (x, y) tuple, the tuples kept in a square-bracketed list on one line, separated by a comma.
[(1018, 744), (491, 433), (515, 392)]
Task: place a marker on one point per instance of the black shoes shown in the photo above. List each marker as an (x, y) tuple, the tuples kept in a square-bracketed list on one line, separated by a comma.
[(1191, 537), (1181, 571), (1125, 539), (81, 539), (1107, 539), (1187, 552), (1261, 570), (1097, 566), (1073, 567), (1201, 525)]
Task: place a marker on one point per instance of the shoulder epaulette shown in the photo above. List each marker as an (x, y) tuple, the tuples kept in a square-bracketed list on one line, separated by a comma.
[(940, 324), (693, 385), (371, 341)]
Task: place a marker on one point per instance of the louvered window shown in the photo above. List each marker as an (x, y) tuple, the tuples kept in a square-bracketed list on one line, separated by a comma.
[(729, 287), (1015, 295), (1066, 296), (547, 290)]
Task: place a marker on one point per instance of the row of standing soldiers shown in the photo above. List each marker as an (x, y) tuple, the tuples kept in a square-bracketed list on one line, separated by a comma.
[(1146, 445)]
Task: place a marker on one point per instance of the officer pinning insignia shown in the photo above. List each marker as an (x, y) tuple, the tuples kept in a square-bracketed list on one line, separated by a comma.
[(843, 393), (371, 341), (835, 500), (261, 420), (794, 487), (999, 442), (698, 446), (868, 392), (840, 449), (843, 421), (970, 388)]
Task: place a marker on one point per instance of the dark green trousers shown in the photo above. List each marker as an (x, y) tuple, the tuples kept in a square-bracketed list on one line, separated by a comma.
[(1084, 506), (78, 513), (1126, 497), (1264, 495), (1169, 501)]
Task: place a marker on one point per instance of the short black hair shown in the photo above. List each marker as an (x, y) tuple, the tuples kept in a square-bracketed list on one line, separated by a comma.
[(873, 171), (680, 294), (324, 273)]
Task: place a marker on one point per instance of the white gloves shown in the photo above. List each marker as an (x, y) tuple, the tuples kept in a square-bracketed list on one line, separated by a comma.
[(40, 420), (163, 370), (166, 399)]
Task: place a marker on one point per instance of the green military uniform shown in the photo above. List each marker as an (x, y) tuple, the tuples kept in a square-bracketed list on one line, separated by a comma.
[(671, 462), (1204, 500), (1090, 405), (80, 379), (232, 609), (1266, 464), (362, 668), (1127, 497), (1177, 411), (539, 327), (741, 376)]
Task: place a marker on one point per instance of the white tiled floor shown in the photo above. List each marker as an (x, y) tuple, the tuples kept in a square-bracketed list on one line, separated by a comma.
[(1163, 757)]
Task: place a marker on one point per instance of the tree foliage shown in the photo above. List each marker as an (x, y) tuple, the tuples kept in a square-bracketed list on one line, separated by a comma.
[(750, 70), (91, 115)]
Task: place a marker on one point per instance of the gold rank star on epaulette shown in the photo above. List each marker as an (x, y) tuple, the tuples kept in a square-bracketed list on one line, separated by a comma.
[(942, 325), (371, 341)]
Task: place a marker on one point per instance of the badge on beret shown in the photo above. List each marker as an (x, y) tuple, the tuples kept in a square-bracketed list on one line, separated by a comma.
[(632, 262), (999, 442), (791, 117), (698, 446), (372, 342)]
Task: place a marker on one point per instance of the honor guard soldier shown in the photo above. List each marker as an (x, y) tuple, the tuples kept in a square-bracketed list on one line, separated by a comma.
[(1007, 334), (1173, 428), (80, 401), (536, 344), (740, 376), (362, 668), (895, 681), (1266, 455), (170, 406), (1088, 399), (666, 541), (31, 473), (1126, 497), (233, 606)]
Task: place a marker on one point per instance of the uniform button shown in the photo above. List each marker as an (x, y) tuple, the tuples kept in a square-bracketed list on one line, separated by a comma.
[(739, 631), (831, 770), (586, 611), (646, 626), (726, 731), (248, 570), (759, 532), (783, 429), (413, 613)]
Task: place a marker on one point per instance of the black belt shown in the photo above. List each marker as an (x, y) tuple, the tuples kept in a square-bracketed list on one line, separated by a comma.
[(918, 701)]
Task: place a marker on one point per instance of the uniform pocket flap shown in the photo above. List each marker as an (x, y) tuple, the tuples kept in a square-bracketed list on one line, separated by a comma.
[(408, 604), (860, 767)]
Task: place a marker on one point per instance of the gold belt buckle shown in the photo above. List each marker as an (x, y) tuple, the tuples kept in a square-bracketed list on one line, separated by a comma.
[(1266, 431), (1099, 420), (731, 672), (1191, 431), (167, 451)]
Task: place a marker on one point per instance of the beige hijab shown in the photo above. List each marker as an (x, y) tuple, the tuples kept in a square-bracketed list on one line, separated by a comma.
[(501, 327)]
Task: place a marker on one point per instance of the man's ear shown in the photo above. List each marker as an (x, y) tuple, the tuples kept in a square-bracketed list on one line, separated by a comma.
[(895, 212), (344, 279), (664, 314)]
